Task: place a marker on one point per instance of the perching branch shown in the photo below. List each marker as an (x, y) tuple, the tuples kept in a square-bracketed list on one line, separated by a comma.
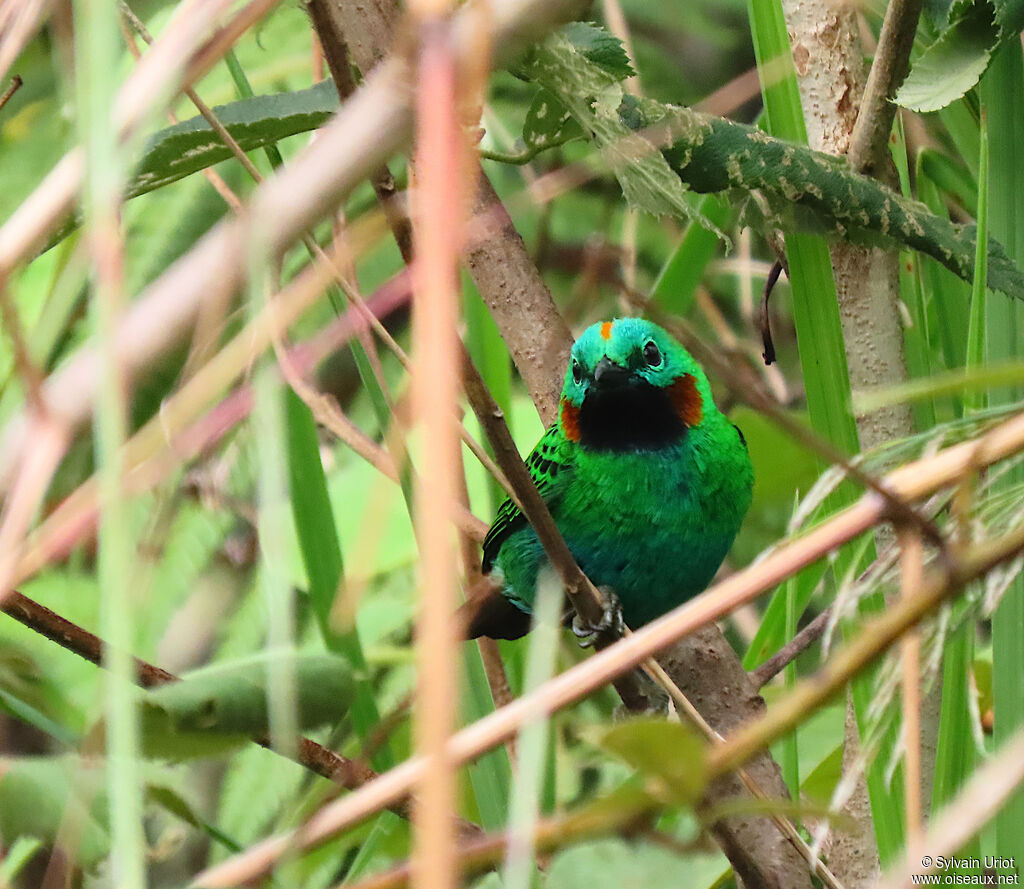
[(912, 481), (585, 598)]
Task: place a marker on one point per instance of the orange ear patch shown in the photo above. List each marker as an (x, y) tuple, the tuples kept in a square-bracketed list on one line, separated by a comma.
[(570, 417), (686, 400), (606, 330)]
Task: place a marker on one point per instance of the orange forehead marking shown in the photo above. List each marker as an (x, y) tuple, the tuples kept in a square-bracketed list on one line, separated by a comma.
[(606, 330), (686, 400), (570, 417)]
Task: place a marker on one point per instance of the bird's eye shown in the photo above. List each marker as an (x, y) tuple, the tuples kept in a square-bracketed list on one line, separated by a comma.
[(577, 372), (652, 354)]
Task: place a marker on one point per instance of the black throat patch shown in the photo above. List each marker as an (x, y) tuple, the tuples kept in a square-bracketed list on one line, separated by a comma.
[(633, 417)]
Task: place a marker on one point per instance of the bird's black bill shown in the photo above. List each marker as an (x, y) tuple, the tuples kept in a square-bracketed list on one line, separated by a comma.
[(609, 375)]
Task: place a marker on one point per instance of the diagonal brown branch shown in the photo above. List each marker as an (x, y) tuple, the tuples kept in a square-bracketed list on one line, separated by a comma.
[(912, 481), (348, 773), (373, 124), (870, 138)]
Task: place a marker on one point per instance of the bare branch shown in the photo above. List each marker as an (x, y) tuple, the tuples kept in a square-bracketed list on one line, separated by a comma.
[(789, 652), (869, 141), (912, 481), (368, 128)]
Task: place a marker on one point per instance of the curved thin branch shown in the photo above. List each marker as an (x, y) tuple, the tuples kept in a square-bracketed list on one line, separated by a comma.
[(912, 481)]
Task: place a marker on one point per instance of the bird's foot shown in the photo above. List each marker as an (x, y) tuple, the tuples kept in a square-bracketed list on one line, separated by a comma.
[(611, 622)]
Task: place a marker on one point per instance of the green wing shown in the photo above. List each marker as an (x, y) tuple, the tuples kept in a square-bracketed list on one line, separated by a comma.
[(550, 465)]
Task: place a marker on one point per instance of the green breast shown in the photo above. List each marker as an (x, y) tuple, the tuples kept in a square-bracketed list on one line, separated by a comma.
[(653, 525)]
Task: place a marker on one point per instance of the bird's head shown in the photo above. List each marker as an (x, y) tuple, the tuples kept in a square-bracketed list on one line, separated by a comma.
[(631, 386)]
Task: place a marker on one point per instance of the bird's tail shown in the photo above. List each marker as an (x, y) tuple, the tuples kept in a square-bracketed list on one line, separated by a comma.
[(492, 615)]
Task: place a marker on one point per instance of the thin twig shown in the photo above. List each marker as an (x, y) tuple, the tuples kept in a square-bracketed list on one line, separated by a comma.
[(30, 374), (816, 866), (789, 652), (766, 327), (208, 115), (870, 138), (877, 635), (344, 282), (16, 83), (180, 57), (583, 595)]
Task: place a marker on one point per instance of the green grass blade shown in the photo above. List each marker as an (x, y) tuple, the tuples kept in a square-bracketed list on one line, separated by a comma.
[(491, 357), (954, 755), (97, 52), (244, 89), (22, 850), (321, 555), (976, 325), (916, 335), (490, 775), (790, 744), (1002, 92), (823, 361), (676, 284)]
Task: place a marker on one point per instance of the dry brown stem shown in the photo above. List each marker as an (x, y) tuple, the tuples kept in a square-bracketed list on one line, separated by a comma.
[(988, 789), (439, 219), (367, 129), (912, 481)]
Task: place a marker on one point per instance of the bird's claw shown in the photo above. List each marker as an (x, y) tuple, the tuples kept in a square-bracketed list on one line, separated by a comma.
[(611, 622)]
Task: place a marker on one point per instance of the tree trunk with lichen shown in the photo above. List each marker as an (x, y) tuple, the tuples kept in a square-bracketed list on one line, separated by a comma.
[(832, 75)]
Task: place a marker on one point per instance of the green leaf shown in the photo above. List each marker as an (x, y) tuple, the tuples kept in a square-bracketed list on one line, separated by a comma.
[(974, 31), (593, 93), (795, 188), (43, 796), (600, 47), (668, 751), (817, 193), (548, 123), (17, 858), (221, 707), (192, 145), (615, 863), (950, 66)]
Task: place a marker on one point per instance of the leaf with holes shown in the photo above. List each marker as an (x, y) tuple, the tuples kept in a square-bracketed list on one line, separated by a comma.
[(548, 123)]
